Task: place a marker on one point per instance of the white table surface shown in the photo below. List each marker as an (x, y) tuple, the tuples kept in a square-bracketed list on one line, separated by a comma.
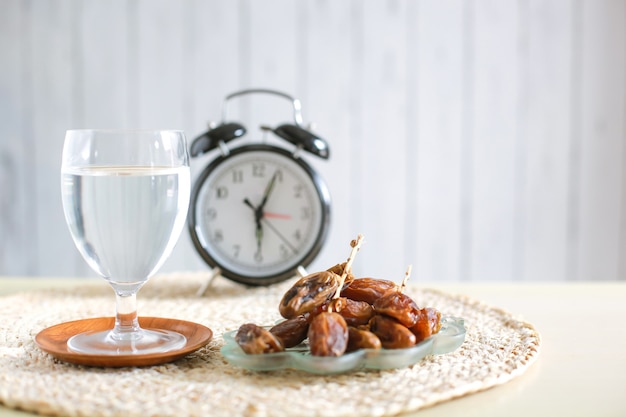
[(581, 370)]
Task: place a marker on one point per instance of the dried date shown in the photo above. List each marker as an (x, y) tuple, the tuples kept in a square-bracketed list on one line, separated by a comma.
[(428, 323), (293, 331), (391, 333), (421, 328), (328, 335), (308, 293), (368, 289), (254, 340), (399, 306), (434, 318), (362, 339), (355, 312)]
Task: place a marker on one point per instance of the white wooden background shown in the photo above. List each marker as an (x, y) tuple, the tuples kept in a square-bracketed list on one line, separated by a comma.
[(476, 140)]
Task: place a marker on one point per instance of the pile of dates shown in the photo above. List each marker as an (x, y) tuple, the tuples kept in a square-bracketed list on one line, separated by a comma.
[(366, 313)]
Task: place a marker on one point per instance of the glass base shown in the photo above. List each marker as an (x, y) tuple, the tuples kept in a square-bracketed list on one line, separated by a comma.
[(139, 342)]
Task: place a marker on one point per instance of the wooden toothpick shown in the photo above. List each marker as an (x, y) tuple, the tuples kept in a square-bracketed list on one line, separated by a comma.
[(407, 274), (356, 245)]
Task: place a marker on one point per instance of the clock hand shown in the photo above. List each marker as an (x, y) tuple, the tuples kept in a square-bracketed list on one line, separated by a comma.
[(258, 215), (259, 236), (282, 216), (248, 203), (280, 235), (268, 190), (258, 211)]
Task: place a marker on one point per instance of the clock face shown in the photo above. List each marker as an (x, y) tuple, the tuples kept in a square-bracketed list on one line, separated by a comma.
[(258, 214)]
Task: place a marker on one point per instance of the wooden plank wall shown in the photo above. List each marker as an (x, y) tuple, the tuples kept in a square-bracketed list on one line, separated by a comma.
[(477, 140)]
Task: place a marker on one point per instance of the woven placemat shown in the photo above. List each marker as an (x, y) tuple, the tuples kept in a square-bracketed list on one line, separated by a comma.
[(497, 347)]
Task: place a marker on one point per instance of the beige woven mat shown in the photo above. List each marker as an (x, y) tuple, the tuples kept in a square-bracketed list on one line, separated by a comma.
[(497, 348)]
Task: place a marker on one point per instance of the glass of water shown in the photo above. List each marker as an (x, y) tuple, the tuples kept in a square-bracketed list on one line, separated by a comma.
[(125, 198)]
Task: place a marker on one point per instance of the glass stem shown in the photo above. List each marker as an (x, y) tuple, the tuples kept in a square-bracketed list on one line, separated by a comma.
[(126, 323)]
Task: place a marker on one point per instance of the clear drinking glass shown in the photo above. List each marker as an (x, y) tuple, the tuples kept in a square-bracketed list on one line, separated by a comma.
[(125, 199)]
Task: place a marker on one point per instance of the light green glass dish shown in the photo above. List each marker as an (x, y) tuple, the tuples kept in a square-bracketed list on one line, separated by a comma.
[(449, 338)]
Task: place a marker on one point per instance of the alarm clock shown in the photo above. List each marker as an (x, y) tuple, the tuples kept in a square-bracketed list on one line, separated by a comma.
[(259, 212)]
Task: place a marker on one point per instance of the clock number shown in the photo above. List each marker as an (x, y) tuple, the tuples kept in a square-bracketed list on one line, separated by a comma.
[(211, 213), (297, 235), (237, 176), (284, 252), (305, 213), (218, 236), (221, 192), (258, 256), (258, 170), (298, 191), (236, 250)]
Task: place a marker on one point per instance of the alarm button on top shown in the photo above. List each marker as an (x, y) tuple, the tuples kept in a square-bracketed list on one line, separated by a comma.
[(211, 139), (304, 138)]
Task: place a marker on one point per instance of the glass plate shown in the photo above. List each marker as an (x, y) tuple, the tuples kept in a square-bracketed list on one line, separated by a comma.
[(450, 337)]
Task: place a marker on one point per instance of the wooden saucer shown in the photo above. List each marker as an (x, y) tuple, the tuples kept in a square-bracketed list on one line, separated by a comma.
[(53, 340)]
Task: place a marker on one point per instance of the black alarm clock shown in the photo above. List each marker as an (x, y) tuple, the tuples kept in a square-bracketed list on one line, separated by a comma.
[(259, 213)]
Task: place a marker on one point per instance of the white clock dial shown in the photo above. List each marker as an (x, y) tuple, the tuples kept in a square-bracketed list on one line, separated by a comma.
[(260, 213)]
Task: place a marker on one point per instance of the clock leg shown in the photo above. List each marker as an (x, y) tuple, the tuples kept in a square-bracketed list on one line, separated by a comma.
[(215, 272), (301, 271)]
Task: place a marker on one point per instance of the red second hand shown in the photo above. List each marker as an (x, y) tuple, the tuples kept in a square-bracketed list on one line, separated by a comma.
[(277, 216)]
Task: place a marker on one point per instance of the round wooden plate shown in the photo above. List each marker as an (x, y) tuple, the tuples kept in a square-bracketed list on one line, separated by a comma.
[(53, 340)]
